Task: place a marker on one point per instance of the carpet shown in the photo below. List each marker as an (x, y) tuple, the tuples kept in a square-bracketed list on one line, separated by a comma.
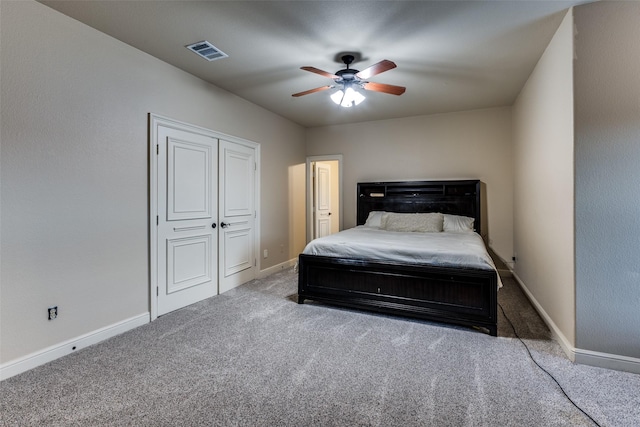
[(254, 357)]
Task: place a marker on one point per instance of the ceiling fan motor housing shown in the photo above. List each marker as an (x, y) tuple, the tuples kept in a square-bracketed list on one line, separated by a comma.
[(348, 74)]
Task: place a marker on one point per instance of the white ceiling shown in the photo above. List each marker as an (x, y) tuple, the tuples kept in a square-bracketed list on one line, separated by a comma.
[(451, 55)]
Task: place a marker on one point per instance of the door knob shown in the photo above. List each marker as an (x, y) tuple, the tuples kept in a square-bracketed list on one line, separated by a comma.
[(213, 225), (223, 224)]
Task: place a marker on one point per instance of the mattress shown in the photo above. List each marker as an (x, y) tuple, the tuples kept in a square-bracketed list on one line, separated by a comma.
[(444, 249)]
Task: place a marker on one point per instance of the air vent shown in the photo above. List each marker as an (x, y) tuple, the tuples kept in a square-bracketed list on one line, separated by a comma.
[(207, 51)]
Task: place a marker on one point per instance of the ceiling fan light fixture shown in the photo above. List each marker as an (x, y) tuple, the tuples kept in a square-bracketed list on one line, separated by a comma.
[(347, 98)]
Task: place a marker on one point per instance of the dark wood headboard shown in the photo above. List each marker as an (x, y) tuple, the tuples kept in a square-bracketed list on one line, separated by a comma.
[(450, 197)]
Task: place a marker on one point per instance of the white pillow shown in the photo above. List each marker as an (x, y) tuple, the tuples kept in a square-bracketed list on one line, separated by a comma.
[(420, 222), (458, 224), (374, 219)]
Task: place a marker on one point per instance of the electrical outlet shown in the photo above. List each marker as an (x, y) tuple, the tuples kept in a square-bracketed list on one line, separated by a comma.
[(281, 249), (53, 312), (266, 253)]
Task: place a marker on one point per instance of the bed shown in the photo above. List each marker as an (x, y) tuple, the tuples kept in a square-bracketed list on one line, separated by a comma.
[(431, 286)]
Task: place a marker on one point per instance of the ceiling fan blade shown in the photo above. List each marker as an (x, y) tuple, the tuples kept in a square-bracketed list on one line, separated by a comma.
[(380, 67), (307, 92), (318, 71), (381, 87)]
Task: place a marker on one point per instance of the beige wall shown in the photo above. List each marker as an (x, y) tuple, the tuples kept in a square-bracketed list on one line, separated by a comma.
[(75, 173), (465, 145), (297, 210), (543, 191)]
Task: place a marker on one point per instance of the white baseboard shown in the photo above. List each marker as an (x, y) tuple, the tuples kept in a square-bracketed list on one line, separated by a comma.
[(23, 364), (279, 267), (578, 355), (609, 361)]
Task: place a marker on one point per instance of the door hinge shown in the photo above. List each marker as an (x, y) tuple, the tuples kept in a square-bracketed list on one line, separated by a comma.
[(255, 214), (157, 219), (255, 166), (157, 291), (158, 149), (255, 262)]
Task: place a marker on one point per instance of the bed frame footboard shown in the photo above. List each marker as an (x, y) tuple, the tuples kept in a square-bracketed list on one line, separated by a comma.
[(461, 296)]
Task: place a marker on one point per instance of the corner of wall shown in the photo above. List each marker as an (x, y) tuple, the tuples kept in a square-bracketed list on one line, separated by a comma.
[(543, 183), (556, 332)]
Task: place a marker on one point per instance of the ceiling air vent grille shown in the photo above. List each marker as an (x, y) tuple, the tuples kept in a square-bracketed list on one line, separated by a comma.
[(207, 51)]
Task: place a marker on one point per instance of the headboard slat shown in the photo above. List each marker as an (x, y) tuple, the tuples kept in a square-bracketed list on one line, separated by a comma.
[(450, 197)]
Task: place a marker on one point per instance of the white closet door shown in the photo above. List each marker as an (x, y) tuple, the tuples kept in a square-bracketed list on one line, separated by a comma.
[(237, 168), (187, 218)]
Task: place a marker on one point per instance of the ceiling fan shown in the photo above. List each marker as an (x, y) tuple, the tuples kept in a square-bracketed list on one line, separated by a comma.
[(349, 80)]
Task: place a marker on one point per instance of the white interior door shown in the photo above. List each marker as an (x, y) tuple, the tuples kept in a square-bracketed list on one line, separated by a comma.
[(237, 259), (187, 197), (322, 199)]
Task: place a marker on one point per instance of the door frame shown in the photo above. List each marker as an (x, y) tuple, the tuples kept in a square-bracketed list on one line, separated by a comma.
[(309, 190), (156, 120)]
